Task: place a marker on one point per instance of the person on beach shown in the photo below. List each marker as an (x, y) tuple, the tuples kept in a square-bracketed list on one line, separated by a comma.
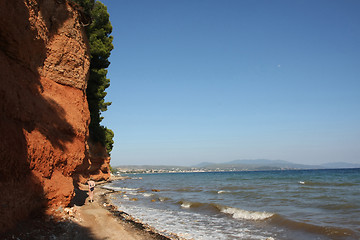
[(91, 184)]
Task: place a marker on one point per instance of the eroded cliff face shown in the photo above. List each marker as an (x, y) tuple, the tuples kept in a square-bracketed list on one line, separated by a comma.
[(44, 116)]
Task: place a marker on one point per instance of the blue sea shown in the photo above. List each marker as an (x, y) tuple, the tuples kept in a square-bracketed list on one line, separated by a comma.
[(291, 204)]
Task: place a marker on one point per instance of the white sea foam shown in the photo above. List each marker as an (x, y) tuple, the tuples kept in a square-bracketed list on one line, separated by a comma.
[(148, 194), (119, 188), (190, 225), (248, 215), (186, 205), (130, 189), (112, 188), (222, 191)]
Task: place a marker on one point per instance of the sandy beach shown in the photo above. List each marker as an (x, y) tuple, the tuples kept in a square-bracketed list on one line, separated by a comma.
[(99, 217), (87, 220)]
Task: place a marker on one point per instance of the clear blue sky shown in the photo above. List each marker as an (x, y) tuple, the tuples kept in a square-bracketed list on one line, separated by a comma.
[(206, 80)]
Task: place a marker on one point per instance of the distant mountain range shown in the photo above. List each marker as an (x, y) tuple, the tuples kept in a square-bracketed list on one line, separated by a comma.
[(243, 165), (265, 164)]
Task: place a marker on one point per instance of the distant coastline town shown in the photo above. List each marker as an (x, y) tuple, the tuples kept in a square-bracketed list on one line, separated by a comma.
[(154, 169), (233, 166)]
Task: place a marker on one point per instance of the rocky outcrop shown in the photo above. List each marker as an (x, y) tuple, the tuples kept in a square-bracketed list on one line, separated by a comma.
[(96, 164), (44, 116)]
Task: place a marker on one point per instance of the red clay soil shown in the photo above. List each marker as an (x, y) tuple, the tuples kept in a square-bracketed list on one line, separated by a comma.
[(44, 115)]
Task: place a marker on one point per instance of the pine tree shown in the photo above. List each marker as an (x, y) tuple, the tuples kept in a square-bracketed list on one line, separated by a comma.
[(100, 41)]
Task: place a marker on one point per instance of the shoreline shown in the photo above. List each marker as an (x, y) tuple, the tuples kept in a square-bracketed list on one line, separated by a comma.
[(88, 220), (129, 219)]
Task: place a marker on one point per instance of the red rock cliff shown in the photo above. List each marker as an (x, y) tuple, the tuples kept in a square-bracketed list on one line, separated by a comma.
[(44, 116)]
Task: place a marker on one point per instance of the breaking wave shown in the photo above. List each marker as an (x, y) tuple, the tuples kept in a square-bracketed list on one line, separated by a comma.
[(247, 215), (235, 213)]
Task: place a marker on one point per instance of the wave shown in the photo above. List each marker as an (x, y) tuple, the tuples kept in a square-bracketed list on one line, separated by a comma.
[(216, 192), (235, 213), (119, 188), (222, 191), (332, 232), (188, 204), (247, 215), (333, 184), (187, 190), (339, 206), (163, 199), (148, 194), (238, 191), (231, 187)]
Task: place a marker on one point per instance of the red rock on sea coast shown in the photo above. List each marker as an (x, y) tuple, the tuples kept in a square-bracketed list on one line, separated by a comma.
[(44, 115)]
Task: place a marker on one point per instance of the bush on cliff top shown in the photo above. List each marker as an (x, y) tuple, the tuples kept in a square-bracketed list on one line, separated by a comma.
[(98, 33)]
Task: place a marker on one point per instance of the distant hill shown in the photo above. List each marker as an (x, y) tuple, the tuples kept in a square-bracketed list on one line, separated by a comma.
[(340, 165), (265, 164), (151, 167), (243, 165)]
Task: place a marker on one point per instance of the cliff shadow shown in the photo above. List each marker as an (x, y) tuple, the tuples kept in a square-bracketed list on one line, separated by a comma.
[(80, 197), (24, 109), (48, 229)]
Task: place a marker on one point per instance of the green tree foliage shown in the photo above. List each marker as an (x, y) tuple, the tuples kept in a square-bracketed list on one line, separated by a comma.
[(87, 5), (109, 136), (100, 41)]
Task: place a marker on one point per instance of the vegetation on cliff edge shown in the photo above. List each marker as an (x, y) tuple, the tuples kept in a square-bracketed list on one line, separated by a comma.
[(100, 40)]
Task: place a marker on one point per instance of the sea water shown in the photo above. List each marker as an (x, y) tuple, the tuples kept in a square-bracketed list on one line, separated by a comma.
[(292, 204)]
